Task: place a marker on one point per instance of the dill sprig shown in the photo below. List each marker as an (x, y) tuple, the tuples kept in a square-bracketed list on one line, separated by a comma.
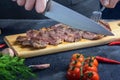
[(13, 68)]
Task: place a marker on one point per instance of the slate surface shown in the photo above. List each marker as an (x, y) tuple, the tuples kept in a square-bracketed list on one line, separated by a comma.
[(59, 61)]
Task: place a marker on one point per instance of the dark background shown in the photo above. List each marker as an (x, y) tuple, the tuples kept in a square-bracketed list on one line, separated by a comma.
[(112, 13), (10, 10)]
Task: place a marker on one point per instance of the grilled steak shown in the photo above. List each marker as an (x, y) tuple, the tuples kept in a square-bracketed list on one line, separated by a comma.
[(20, 39), (54, 35)]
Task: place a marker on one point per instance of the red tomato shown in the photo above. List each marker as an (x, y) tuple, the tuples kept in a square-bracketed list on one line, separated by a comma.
[(75, 64), (91, 75), (87, 67), (73, 73), (78, 57), (91, 60)]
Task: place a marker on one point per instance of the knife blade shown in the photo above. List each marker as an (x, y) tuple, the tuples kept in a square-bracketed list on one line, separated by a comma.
[(69, 17)]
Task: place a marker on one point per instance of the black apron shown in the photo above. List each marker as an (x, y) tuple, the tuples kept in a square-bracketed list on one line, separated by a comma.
[(10, 10), (112, 13)]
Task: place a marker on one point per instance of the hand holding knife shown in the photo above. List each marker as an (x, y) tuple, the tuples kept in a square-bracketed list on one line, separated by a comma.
[(69, 17), (109, 3), (64, 15)]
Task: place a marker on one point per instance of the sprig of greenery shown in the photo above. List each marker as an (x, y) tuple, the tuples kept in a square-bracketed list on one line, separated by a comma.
[(13, 68)]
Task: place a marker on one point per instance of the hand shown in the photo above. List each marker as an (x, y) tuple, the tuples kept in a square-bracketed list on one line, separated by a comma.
[(109, 3), (39, 5)]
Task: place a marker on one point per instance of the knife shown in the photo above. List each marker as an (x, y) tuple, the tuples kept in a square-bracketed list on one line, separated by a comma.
[(69, 17)]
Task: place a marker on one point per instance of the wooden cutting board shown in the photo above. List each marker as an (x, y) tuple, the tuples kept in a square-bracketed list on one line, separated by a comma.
[(30, 52)]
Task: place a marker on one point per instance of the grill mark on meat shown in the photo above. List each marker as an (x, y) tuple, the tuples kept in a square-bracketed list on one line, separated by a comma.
[(32, 33), (77, 35), (54, 35), (55, 38), (38, 43)]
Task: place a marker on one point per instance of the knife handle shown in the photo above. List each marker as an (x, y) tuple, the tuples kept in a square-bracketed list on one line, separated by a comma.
[(48, 4)]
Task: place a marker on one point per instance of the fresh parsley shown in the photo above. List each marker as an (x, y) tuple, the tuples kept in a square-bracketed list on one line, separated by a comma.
[(13, 68)]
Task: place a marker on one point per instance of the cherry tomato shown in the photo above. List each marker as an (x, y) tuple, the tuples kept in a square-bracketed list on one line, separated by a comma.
[(78, 57), (88, 67), (91, 75), (75, 63), (73, 73), (91, 60)]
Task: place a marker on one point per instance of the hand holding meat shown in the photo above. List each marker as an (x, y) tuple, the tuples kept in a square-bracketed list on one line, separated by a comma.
[(39, 5), (109, 3)]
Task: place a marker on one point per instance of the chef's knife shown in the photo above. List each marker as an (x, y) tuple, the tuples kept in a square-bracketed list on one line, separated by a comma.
[(69, 17)]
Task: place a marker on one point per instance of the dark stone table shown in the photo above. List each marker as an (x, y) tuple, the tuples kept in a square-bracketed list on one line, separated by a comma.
[(59, 61)]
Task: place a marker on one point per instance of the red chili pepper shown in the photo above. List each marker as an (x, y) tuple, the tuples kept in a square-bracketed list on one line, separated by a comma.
[(106, 60), (2, 45), (114, 43)]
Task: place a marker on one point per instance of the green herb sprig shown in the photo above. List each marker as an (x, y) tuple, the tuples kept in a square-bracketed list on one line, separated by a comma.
[(13, 68)]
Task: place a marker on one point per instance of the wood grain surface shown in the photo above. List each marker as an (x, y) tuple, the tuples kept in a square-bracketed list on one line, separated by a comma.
[(26, 52)]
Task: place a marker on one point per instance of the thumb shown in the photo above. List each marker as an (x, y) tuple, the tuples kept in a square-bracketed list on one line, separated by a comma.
[(105, 2)]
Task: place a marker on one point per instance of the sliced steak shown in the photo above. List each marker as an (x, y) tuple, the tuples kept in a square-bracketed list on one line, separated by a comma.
[(54, 35)]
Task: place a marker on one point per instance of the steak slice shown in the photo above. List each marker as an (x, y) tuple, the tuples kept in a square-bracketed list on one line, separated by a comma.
[(78, 35), (20, 39), (26, 43), (105, 24), (32, 33), (24, 40), (55, 37), (91, 36), (38, 43)]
